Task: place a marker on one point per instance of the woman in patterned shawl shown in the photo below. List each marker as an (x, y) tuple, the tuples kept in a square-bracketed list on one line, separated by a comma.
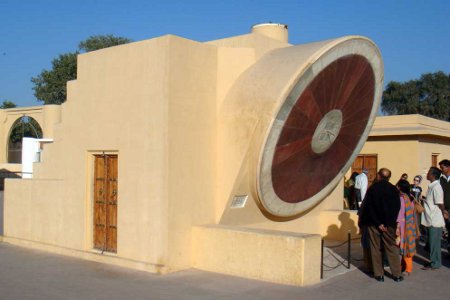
[(406, 229)]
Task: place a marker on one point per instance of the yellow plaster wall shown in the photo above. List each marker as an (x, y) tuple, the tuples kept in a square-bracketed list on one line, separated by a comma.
[(153, 103), (395, 154), (407, 154), (260, 44), (249, 108), (327, 219), (406, 143), (114, 106), (429, 146), (51, 117), (191, 145), (281, 257), (49, 221)]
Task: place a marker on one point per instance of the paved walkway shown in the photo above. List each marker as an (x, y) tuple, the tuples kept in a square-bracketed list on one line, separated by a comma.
[(31, 274)]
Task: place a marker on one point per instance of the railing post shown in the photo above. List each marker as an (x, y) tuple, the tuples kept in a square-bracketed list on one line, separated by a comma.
[(349, 249), (321, 259)]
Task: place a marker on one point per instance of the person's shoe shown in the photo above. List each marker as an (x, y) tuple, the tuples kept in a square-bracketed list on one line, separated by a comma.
[(379, 278), (398, 278)]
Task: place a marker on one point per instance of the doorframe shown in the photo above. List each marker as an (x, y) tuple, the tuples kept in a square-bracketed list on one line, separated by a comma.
[(364, 166), (89, 203)]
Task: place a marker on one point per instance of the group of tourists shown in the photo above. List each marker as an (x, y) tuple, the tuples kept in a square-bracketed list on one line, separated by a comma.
[(393, 217)]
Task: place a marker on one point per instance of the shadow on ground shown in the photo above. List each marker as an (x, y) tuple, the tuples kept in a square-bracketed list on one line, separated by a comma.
[(337, 254), (422, 255)]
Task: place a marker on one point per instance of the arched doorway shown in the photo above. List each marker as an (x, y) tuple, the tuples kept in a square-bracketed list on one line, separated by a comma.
[(25, 126)]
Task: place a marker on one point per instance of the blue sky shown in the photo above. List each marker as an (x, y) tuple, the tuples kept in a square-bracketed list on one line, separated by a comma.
[(414, 36)]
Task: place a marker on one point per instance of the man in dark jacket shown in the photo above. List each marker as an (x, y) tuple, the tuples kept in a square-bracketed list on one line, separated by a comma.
[(379, 213), (445, 184)]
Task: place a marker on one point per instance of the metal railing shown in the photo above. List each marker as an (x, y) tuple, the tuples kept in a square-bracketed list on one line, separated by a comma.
[(346, 262)]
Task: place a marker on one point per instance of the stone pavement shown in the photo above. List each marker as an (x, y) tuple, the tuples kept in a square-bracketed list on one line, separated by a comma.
[(32, 274)]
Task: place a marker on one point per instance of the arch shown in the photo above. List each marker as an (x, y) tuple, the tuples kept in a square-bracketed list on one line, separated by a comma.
[(8, 117), (25, 126)]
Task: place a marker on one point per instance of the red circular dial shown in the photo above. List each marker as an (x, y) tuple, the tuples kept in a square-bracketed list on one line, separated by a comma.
[(345, 88)]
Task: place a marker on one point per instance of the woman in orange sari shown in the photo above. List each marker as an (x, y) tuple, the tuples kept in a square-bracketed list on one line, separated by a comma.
[(406, 226)]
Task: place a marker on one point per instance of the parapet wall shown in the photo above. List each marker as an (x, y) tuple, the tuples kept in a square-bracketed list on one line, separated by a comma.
[(275, 256)]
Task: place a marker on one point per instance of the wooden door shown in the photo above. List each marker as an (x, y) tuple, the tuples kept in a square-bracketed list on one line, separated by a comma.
[(369, 162), (105, 202), (434, 160), (357, 165)]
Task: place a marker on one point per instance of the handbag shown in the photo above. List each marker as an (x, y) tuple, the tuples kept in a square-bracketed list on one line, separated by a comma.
[(418, 207)]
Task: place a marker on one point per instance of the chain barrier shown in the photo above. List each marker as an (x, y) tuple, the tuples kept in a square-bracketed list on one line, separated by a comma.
[(340, 262)]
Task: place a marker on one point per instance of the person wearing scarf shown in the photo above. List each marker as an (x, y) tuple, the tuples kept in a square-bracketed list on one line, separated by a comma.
[(406, 228)]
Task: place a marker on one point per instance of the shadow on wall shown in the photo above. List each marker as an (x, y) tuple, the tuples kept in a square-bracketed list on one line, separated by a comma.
[(5, 173), (340, 231)]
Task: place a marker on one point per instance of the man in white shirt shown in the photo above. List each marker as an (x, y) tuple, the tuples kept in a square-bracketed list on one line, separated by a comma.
[(361, 182), (433, 218)]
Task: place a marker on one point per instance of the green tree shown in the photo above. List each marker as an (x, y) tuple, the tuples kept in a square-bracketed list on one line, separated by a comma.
[(97, 42), (7, 104), (428, 96), (50, 85)]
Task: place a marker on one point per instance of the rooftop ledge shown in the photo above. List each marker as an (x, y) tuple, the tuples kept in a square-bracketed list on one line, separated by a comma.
[(409, 125)]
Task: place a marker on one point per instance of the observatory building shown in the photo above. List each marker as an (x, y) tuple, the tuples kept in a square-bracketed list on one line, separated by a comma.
[(226, 156)]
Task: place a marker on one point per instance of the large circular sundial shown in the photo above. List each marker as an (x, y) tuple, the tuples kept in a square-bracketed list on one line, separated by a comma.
[(319, 129)]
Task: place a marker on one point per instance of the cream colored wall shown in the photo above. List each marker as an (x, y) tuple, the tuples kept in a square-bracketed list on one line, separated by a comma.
[(248, 48), (191, 145), (229, 69), (248, 109), (260, 44), (407, 154), (51, 117), (281, 257), (405, 144), (429, 146), (3, 138), (36, 210), (117, 105), (327, 219), (395, 154), (154, 104)]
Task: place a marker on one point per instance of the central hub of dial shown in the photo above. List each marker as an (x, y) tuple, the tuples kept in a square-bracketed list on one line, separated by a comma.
[(327, 131)]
